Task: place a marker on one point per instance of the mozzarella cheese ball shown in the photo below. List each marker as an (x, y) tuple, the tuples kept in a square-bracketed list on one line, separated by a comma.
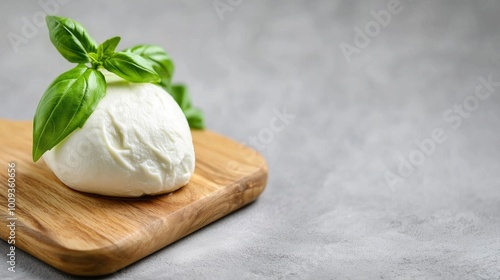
[(137, 142)]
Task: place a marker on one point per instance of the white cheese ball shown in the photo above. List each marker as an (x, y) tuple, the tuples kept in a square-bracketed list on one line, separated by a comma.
[(137, 142)]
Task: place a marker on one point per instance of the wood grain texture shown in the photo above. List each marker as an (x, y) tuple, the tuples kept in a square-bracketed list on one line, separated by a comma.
[(86, 234)]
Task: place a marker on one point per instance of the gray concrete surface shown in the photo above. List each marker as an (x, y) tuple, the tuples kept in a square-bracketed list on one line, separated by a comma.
[(408, 101)]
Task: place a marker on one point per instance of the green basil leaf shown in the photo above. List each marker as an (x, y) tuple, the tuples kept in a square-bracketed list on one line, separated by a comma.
[(70, 39), (131, 67), (159, 58), (66, 105), (181, 96), (109, 46), (195, 118), (100, 52), (193, 115)]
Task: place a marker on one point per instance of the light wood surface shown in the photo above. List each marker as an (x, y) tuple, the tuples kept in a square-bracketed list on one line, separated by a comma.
[(86, 234)]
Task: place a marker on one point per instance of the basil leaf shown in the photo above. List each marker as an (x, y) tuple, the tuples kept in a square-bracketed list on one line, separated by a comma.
[(193, 115), (109, 46), (131, 67), (159, 58), (70, 39), (66, 105), (195, 118), (181, 96)]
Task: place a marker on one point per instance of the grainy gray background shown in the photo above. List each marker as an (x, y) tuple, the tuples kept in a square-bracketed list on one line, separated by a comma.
[(328, 211)]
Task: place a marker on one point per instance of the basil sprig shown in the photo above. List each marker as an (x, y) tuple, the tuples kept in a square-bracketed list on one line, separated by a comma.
[(73, 96)]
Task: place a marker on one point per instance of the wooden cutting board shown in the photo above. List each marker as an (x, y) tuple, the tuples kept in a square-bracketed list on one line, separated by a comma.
[(85, 234)]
